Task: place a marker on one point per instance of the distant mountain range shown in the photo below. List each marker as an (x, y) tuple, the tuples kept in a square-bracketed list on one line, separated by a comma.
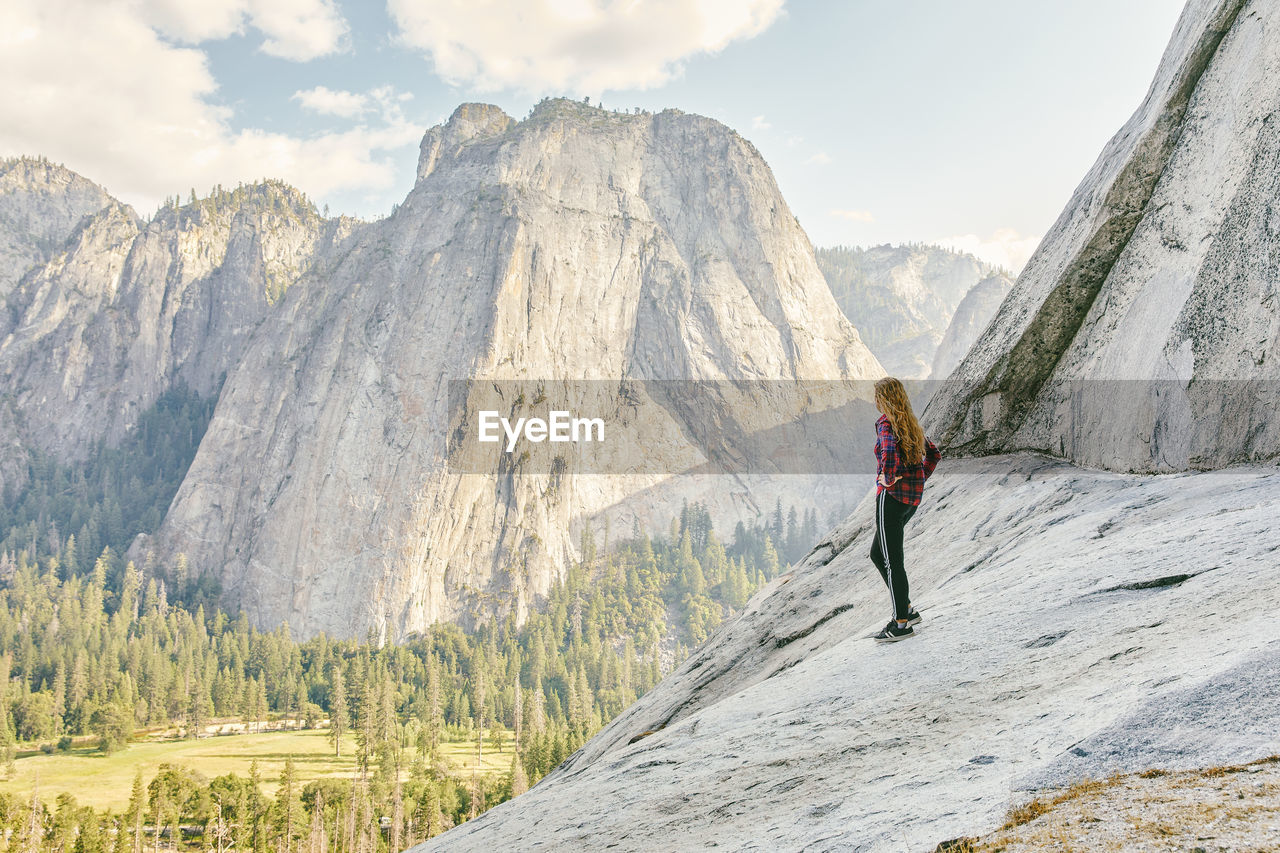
[(903, 299)]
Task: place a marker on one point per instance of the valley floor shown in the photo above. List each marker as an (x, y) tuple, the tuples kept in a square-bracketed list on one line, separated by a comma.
[(104, 781), (1077, 623)]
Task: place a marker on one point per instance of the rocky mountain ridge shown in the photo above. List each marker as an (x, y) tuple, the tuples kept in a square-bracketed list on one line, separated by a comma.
[(41, 204), (575, 244), (130, 308)]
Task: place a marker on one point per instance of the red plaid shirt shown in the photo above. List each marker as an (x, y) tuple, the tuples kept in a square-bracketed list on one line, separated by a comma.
[(910, 488)]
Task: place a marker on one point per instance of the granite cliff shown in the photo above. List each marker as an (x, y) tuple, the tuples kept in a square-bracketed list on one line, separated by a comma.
[(41, 204), (1077, 620), (112, 310), (577, 244), (1142, 334)]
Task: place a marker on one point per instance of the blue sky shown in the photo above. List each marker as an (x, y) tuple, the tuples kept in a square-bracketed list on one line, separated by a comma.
[(968, 123)]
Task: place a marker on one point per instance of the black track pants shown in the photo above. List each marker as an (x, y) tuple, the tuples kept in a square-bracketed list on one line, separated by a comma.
[(891, 516)]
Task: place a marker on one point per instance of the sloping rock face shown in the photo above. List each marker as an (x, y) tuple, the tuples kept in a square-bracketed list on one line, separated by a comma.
[(41, 206), (576, 244), (1162, 271), (968, 322), (1065, 607), (1059, 605), (128, 309), (902, 298)]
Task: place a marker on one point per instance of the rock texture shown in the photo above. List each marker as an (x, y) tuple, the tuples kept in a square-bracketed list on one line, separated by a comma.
[(1164, 270), (128, 309), (41, 204), (576, 244), (1066, 607), (902, 298)]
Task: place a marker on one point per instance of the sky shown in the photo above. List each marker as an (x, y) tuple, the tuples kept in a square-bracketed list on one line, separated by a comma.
[(967, 124)]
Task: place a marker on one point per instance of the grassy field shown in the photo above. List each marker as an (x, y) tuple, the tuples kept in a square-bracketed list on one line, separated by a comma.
[(104, 781)]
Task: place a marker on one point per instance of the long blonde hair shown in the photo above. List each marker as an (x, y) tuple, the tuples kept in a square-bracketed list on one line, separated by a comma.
[(891, 399)]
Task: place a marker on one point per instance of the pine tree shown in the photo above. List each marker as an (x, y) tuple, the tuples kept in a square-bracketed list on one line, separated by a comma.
[(33, 831), (135, 812), (256, 809), (198, 706), (432, 822), (770, 560), (69, 559), (317, 842), (260, 704), (286, 803), (517, 712), (519, 781), (337, 708), (397, 816), (480, 680), (435, 710), (367, 730), (242, 834), (8, 738), (388, 727), (251, 694), (794, 546)]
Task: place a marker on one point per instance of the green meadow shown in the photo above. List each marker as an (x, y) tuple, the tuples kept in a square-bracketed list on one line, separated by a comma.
[(104, 781)]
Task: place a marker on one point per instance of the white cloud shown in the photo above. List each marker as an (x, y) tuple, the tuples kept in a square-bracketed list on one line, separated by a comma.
[(328, 102), (91, 84), (819, 159), (196, 22), (852, 215), (299, 29), (1004, 248), (294, 29), (793, 141), (344, 104), (758, 123), (573, 46)]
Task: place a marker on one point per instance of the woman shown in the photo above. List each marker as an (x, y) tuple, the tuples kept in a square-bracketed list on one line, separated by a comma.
[(907, 458)]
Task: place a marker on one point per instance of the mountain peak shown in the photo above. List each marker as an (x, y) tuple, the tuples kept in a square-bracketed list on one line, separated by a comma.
[(578, 244), (469, 123), (257, 200), (42, 203), (476, 123)]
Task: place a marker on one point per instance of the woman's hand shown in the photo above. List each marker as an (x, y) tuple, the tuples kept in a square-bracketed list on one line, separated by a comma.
[(881, 481)]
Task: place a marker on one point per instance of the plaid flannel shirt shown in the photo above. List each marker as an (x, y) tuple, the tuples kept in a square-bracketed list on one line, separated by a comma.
[(910, 488)]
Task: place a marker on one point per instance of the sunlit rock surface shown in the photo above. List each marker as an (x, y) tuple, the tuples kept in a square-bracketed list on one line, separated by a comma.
[(1067, 609)]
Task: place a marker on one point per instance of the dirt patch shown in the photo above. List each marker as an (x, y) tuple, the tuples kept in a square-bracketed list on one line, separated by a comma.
[(1233, 808)]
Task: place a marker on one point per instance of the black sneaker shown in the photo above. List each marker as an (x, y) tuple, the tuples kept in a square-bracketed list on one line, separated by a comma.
[(913, 616), (892, 633)]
